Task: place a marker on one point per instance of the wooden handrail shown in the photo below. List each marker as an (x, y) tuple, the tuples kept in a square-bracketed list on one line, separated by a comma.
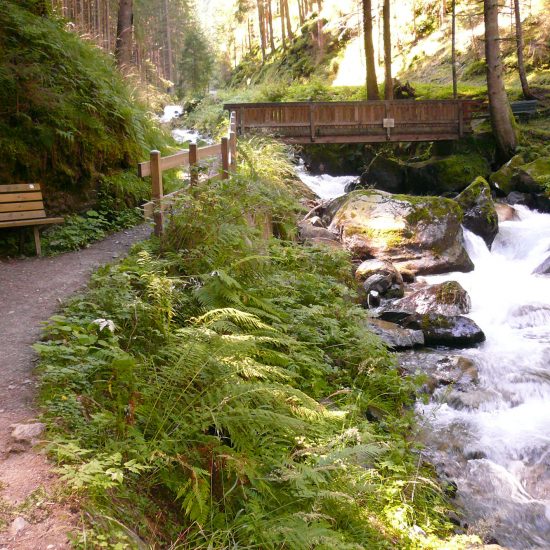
[(226, 151)]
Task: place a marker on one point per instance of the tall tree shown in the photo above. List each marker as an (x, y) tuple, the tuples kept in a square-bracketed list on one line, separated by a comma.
[(388, 80), (520, 47), (499, 108), (453, 48), (124, 38), (261, 24), (372, 84)]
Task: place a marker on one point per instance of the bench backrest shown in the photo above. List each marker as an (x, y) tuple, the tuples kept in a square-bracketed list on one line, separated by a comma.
[(22, 201), (527, 106)]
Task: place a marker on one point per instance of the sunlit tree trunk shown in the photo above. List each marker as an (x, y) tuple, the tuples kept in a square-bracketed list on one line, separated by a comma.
[(288, 22), (269, 18), (372, 84), (283, 29), (520, 47), (261, 23), (453, 49), (388, 80), (499, 108), (123, 48)]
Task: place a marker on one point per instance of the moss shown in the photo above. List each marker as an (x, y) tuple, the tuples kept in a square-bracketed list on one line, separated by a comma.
[(539, 170), (447, 174), (502, 178), (427, 209), (449, 292)]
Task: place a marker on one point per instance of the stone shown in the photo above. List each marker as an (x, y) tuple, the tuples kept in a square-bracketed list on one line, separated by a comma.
[(386, 174), (480, 215), (27, 433), (501, 180), (450, 331), (505, 212), (18, 525), (451, 173), (538, 173), (394, 336), (316, 221), (382, 277), (309, 232), (448, 298), (420, 234), (525, 199), (378, 282), (525, 183), (543, 268)]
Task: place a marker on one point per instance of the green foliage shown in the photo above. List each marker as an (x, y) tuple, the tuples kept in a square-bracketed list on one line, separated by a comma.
[(223, 388), (65, 113), (196, 63)]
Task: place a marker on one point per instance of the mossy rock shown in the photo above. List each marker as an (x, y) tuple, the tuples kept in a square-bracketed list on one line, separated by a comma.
[(539, 171), (451, 174), (480, 215), (422, 234), (502, 179)]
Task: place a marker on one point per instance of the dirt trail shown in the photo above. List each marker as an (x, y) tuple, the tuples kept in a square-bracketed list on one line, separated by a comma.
[(31, 291)]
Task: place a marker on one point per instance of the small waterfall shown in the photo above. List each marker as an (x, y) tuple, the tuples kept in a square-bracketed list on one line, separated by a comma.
[(325, 186)]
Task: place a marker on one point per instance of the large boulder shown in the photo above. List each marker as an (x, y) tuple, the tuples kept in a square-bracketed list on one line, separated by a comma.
[(450, 174), (442, 330), (502, 179), (448, 298), (480, 215), (385, 174), (535, 176), (310, 231), (420, 234)]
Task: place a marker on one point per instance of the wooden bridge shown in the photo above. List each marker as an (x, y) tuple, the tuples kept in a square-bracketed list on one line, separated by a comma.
[(357, 121)]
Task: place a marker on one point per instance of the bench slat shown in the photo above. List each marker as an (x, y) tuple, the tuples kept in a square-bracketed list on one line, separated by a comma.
[(23, 223), (21, 206), (22, 215), (19, 187), (20, 197)]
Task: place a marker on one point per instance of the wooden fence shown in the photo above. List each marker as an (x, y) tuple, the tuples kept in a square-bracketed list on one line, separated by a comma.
[(225, 152)]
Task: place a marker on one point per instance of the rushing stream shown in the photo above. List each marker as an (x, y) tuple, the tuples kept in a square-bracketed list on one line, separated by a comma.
[(492, 436)]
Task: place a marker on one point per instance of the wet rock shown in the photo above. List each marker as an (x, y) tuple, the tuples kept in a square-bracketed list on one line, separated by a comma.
[(407, 275), (27, 433), (525, 199), (543, 268), (542, 202), (469, 400), (501, 180), (316, 221), (385, 174), (379, 282), (452, 173), (381, 277), (394, 336), (448, 298), (505, 212), (525, 183), (480, 215), (420, 234), (440, 330)]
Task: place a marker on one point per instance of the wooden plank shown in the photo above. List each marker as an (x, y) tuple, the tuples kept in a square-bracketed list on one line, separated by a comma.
[(9, 216), (175, 161), (23, 223), (208, 152), (157, 191), (19, 187), (369, 138), (193, 159), (20, 197), (21, 206), (225, 158)]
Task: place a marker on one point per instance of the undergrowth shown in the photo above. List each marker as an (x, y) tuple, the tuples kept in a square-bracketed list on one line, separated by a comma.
[(220, 390)]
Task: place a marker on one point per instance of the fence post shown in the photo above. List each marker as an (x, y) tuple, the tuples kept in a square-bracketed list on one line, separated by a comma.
[(225, 159), (193, 159), (233, 150), (157, 192)]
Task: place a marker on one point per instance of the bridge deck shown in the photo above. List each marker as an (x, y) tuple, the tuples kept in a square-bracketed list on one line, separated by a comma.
[(358, 121)]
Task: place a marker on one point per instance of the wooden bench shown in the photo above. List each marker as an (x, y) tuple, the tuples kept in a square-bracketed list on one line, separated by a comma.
[(21, 205), (524, 109)]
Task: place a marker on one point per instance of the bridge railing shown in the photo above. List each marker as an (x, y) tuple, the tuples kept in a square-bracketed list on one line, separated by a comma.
[(359, 121), (225, 152)]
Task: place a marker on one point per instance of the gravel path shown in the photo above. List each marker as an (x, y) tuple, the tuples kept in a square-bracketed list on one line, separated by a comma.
[(32, 290)]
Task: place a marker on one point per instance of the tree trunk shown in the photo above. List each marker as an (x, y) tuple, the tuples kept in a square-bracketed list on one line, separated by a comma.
[(288, 22), (453, 49), (261, 23), (499, 108), (372, 84), (388, 80), (283, 30), (270, 25), (169, 54), (520, 47), (123, 48)]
